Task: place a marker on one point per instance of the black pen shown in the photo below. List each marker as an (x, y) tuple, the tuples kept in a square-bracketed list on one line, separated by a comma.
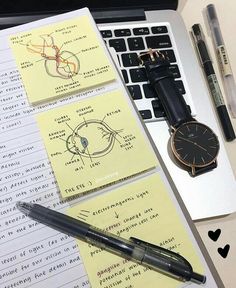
[(214, 87), (152, 256)]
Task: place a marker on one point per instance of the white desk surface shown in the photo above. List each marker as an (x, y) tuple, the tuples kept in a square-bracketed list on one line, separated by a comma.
[(192, 12)]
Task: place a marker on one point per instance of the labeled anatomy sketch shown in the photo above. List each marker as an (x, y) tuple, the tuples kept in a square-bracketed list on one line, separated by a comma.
[(57, 62), (92, 139), (61, 59), (93, 142)]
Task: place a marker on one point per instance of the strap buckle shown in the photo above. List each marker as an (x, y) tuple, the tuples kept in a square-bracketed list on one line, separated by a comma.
[(150, 56)]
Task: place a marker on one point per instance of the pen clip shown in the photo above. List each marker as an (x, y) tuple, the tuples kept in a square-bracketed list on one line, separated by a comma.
[(180, 262), (171, 254)]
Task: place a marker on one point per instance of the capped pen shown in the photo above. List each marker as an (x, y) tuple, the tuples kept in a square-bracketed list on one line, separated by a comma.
[(144, 253), (205, 59), (223, 59)]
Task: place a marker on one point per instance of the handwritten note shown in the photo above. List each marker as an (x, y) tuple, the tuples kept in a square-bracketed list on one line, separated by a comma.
[(94, 142), (31, 255), (60, 59), (143, 210)]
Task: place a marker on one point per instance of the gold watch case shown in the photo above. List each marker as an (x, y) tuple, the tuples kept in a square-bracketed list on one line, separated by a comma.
[(194, 145)]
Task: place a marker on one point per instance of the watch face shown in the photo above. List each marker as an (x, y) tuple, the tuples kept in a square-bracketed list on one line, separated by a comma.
[(195, 144)]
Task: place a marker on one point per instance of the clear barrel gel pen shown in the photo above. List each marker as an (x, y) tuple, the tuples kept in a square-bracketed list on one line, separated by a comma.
[(146, 254), (223, 59)]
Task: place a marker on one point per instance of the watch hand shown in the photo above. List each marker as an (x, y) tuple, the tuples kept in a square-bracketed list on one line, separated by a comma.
[(187, 140), (200, 147)]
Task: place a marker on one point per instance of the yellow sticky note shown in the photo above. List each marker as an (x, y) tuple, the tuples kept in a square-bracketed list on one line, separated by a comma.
[(60, 59), (143, 210), (95, 142)]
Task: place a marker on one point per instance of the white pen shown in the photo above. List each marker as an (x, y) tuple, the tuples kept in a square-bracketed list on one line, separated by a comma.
[(223, 59)]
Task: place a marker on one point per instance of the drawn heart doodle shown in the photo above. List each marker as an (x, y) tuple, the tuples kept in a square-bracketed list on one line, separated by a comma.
[(214, 235), (224, 251)]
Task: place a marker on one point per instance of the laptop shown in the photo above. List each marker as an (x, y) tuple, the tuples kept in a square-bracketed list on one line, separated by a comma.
[(131, 27)]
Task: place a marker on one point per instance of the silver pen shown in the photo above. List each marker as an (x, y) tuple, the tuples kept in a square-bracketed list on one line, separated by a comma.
[(149, 255), (223, 59)]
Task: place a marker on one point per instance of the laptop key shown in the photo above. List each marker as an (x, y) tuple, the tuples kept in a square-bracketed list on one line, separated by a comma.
[(138, 75), (159, 29), (135, 91), (145, 114), (175, 71), (106, 33), (118, 44), (149, 92), (169, 54), (180, 86), (162, 41), (125, 76), (157, 108), (141, 31), (136, 43), (130, 59), (122, 32)]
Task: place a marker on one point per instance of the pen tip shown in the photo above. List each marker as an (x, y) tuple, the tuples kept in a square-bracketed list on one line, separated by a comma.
[(198, 278), (24, 207)]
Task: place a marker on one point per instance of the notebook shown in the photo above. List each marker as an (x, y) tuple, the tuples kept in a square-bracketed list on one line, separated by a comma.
[(92, 135), (144, 22)]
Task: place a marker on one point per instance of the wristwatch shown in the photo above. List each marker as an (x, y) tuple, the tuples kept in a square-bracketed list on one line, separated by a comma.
[(194, 145)]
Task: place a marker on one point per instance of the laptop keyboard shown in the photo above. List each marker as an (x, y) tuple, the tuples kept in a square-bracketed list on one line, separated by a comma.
[(128, 43)]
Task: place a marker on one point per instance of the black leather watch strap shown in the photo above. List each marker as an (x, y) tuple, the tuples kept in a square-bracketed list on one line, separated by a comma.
[(201, 170), (162, 80)]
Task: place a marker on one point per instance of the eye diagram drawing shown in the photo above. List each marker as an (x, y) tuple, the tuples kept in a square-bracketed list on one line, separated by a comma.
[(92, 139), (57, 62)]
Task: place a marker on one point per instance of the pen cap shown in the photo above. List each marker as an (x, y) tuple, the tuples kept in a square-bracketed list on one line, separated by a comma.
[(211, 12), (197, 32), (199, 39), (214, 24)]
